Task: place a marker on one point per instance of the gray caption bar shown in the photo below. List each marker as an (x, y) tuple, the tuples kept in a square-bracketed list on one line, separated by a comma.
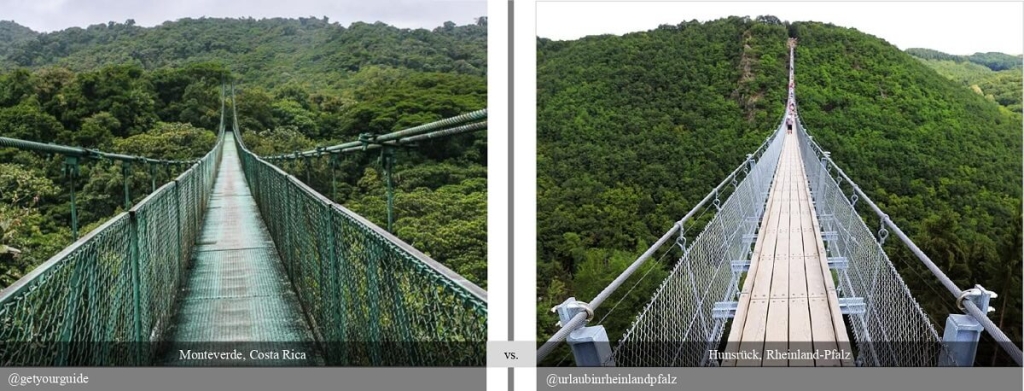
[(248, 379), (794, 379)]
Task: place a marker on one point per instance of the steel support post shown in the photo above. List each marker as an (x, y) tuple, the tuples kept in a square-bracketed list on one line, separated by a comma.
[(388, 159), (590, 345), (126, 172), (960, 338), (71, 172)]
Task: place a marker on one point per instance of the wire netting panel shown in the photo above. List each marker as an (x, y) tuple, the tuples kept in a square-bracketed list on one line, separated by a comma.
[(371, 299), (159, 259), (85, 297), (677, 328), (107, 298), (894, 330)]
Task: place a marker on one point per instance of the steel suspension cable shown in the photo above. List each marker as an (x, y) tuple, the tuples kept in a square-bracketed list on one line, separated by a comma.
[(82, 152), (433, 130)]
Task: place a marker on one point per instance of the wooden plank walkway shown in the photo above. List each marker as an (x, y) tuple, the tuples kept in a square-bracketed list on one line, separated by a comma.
[(788, 311)]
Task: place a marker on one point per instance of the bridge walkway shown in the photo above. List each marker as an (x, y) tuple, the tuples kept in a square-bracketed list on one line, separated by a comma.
[(788, 301), (237, 290)]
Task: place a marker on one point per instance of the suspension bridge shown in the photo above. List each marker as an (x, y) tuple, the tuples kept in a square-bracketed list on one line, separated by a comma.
[(784, 273), (235, 262)]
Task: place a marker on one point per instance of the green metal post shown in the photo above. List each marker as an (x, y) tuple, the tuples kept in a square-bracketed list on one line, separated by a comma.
[(71, 172), (305, 161), (388, 155), (133, 225), (74, 295), (373, 288), (402, 321), (126, 171), (181, 255), (152, 175), (337, 278), (287, 232), (334, 186), (196, 208)]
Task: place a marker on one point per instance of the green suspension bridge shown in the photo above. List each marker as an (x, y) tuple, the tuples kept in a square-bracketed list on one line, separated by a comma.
[(236, 262)]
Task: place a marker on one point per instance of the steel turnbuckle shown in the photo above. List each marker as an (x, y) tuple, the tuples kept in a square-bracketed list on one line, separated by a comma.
[(681, 240)]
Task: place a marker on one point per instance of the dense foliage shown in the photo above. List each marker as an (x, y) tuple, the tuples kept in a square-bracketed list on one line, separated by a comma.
[(634, 130), (13, 34), (992, 60), (301, 83), (440, 185), (1000, 83), (269, 52)]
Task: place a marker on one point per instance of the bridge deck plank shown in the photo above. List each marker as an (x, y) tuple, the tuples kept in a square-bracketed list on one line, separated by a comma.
[(768, 226), (788, 301), (754, 329), (813, 240)]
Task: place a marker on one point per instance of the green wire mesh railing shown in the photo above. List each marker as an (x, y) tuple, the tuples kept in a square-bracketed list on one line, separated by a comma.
[(107, 298), (370, 298)]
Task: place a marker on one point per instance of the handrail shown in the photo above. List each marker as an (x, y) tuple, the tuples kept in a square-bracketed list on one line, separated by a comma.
[(83, 152), (19, 286)]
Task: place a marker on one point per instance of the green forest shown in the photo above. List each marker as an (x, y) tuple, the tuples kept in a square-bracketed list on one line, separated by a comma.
[(996, 76), (634, 130), (301, 83)]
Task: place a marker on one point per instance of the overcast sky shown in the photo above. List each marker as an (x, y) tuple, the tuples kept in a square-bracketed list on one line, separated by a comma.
[(52, 15), (956, 28)]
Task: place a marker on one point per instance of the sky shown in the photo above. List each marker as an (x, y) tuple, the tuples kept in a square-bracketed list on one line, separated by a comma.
[(53, 15), (955, 28)]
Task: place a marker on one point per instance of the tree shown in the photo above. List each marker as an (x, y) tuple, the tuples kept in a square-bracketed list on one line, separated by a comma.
[(97, 132), (22, 245)]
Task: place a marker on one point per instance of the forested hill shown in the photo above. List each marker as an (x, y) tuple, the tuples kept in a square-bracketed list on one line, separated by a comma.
[(265, 51), (12, 34), (997, 76), (991, 60), (633, 130)]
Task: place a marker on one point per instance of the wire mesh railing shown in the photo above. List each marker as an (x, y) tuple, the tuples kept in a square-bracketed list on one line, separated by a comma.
[(677, 327), (107, 298), (894, 330), (370, 298), (647, 343)]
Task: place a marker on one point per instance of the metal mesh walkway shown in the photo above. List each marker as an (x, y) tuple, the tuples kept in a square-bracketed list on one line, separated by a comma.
[(237, 290)]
